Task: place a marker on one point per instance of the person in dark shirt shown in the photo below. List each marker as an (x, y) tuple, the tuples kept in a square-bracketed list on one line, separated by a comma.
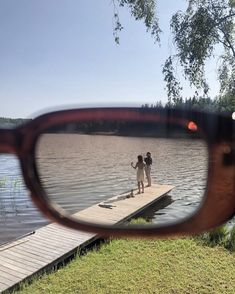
[(148, 160)]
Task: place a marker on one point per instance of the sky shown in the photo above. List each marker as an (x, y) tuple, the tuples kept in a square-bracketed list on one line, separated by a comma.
[(61, 53)]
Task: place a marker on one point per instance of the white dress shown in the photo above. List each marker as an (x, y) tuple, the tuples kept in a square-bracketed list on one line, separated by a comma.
[(140, 171)]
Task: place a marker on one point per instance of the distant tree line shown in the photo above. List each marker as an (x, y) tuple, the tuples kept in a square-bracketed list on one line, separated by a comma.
[(125, 128), (224, 103), (5, 121)]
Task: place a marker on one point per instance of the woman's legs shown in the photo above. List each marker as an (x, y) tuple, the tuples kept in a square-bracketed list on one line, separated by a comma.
[(142, 184), (139, 187)]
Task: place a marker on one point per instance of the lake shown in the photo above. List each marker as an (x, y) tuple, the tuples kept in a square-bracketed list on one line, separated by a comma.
[(80, 170)]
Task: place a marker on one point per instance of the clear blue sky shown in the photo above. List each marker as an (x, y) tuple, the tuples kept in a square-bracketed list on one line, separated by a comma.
[(62, 52)]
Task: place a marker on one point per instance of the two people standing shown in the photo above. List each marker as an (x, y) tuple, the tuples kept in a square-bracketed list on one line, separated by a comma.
[(141, 166)]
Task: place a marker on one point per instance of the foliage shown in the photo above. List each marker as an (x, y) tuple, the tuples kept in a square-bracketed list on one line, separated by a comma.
[(158, 104), (4, 121), (144, 10), (138, 221), (222, 236), (202, 103), (206, 25), (172, 85), (216, 237), (231, 242), (226, 102)]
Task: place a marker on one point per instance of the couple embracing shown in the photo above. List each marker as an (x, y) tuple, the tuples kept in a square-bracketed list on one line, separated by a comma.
[(141, 166)]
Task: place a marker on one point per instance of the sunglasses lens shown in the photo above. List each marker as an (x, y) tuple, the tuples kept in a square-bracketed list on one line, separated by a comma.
[(93, 171)]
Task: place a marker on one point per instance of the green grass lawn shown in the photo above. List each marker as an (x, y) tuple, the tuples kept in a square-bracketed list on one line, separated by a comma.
[(144, 266)]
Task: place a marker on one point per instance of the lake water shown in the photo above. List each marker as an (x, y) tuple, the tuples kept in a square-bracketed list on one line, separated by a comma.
[(80, 170)]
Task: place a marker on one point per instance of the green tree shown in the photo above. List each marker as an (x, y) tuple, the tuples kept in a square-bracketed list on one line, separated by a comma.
[(197, 32), (205, 25), (226, 102), (144, 10)]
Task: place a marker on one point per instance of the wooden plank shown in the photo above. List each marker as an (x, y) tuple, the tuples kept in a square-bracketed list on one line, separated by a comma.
[(46, 244), (63, 231), (58, 238), (12, 272), (30, 256), (3, 287), (44, 248), (52, 242), (14, 267), (6, 281), (21, 257), (33, 255), (72, 232), (9, 277), (53, 247), (26, 266), (48, 253), (63, 234), (54, 252), (61, 240), (13, 244)]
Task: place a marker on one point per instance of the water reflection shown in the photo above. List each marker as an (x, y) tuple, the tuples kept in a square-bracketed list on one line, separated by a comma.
[(155, 211), (18, 215)]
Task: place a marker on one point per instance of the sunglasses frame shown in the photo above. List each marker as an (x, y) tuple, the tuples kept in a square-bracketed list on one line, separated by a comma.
[(218, 204)]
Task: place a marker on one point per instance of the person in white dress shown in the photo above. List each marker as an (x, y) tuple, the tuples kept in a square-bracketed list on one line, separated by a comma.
[(140, 166)]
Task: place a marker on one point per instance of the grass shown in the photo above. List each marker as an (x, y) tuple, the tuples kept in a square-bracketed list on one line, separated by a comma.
[(144, 266), (10, 187), (12, 183)]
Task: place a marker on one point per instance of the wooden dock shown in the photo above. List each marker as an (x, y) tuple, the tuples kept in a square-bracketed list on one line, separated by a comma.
[(122, 207), (52, 244)]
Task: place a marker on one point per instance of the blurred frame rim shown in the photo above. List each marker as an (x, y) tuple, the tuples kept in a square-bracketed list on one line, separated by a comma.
[(218, 204)]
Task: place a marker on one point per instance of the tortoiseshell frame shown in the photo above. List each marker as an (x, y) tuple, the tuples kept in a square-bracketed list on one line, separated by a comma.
[(219, 200)]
